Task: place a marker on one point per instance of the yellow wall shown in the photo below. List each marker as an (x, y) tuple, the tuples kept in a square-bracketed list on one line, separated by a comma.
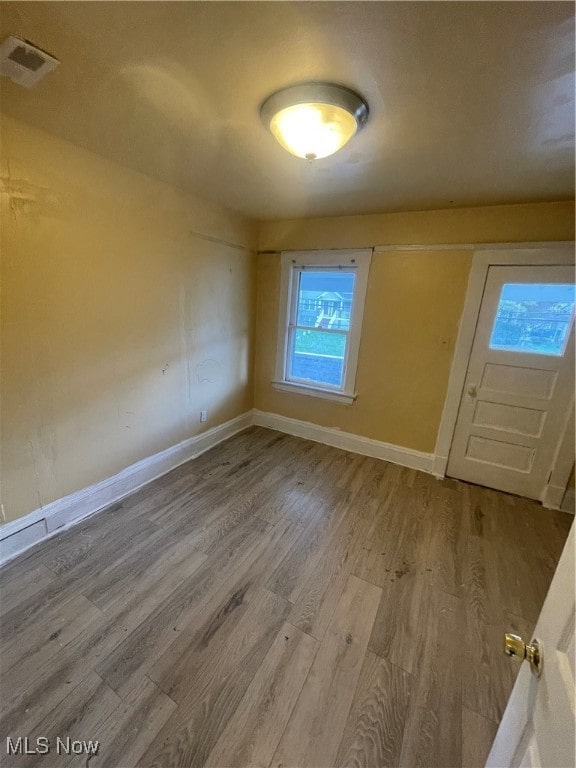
[(413, 307), (119, 324), (494, 224)]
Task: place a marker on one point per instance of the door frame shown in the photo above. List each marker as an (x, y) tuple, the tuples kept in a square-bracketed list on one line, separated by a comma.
[(484, 257)]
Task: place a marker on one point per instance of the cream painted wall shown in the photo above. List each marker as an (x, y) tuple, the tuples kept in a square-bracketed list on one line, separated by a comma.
[(413, 307), (494, 224), (119, 323)]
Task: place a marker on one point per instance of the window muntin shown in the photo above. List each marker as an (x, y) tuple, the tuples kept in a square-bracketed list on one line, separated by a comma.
[(533, 318)]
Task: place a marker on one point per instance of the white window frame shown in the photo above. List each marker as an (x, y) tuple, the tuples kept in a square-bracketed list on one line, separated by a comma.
[(294, 262)]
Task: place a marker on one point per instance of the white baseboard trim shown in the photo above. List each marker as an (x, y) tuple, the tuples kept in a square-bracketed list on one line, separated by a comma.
[(439, 466), (569, 502), (552, 496), (18, 535), (406, 457)]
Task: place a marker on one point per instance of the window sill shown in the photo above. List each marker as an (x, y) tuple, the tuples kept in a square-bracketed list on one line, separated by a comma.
[(304, 389)]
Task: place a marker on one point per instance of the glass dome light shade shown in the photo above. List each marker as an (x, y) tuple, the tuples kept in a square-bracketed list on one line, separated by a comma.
[(313, 130), (314, 120)]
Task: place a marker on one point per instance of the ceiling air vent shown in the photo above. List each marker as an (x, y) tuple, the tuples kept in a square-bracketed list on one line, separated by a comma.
[(23, 62)]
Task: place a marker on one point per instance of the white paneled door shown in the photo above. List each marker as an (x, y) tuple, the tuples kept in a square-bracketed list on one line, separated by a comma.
[(538, 726), (520, 382)]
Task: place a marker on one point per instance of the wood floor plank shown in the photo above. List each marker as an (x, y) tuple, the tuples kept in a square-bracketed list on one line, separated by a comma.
[(448, 538), (142, 647), (31, 649), (488, 676), (234, 513), (294, 570), (324, 703), (394, 590), (78, 717), (200, 641), (309, 466), (270, 498), (179, 558), (50, 597), (253, 470), (254, 731), (481, 586), (158, 496), (371, 478), (375, 727), (129, 572), (195, 505), (400, 627), (193, 730), (477, 736), (432, 735), (238, 453), (16, 591), (130, 728), (335, 465), (74, 546), (27, 704), (88, 558), (294, 501), (399, 540), (320, 594)]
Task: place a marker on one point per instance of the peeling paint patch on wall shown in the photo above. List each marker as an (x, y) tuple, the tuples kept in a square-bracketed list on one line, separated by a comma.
[(208, 370)]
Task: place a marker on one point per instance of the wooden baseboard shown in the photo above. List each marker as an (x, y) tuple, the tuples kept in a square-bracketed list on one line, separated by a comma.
[(18, 535), (552, 496), (569, 501), (407, 457)]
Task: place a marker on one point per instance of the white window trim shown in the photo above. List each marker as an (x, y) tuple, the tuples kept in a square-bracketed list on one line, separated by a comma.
[(360, 260)]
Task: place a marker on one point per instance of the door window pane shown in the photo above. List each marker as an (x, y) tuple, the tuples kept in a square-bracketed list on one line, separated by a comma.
[(318, 356), (533, 318), (325, 299)]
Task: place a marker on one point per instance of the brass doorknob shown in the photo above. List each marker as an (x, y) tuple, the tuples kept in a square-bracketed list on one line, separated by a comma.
[(472, 390), (516, 647)]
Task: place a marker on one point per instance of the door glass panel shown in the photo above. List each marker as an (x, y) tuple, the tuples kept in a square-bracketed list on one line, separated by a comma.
[(533, 318)]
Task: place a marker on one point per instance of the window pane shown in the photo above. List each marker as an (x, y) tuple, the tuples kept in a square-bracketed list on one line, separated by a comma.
[(325, 299), (533, 318), (318, 356)]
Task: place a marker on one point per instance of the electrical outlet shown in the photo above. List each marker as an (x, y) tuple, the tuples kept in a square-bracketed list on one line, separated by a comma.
[(203, 416)]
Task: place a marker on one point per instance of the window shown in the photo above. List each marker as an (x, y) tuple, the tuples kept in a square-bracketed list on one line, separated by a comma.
[(534, 318), (321, 308)]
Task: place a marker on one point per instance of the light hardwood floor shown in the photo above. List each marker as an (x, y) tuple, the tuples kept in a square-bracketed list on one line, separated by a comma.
[(276, 602)]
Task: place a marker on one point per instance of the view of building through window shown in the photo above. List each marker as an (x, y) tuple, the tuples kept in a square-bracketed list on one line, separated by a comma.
[(533, 318), (319, 340)]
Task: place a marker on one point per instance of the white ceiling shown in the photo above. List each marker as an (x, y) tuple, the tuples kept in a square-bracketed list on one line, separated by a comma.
[(472, 103)]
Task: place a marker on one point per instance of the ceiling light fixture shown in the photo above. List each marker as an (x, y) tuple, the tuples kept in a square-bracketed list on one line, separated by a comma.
[(314, 120)]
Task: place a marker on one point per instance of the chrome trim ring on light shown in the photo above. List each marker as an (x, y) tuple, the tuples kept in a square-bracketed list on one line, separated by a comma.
[(323, 93)]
